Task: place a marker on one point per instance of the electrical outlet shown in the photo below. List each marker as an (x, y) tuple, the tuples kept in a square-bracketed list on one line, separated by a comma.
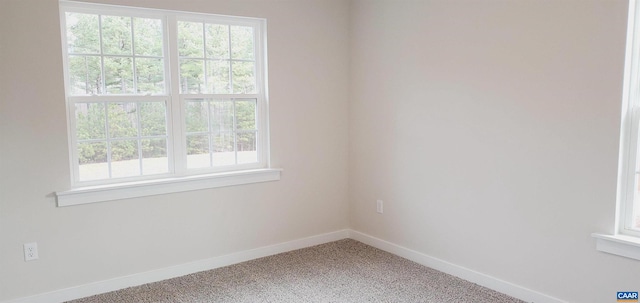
[(380, 206), (30, 251)]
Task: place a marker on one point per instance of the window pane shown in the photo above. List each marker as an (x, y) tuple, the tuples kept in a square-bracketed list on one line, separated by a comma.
[(198, 151), (244, 78), (197, 116), (116, 35), (246, 146), (192, 76), (635, 220), (218, 76), (154, 156), (153, 119), (217, 37), (246, 115), (92, 160), (242, 42), (221, 116), (223, 151), (635, 212), (118, 74), (148, 38), (124, 159), (635, 217), (83, 35), (85, 75), (190, 39), (90, 121), (123, 120), (150, 75)]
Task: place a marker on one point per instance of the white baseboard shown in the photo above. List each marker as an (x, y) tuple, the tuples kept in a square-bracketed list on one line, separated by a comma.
[(95, 288), (99, 287), (504, 287)]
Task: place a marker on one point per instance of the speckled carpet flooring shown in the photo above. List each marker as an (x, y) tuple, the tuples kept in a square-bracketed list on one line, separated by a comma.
[(341, 271)]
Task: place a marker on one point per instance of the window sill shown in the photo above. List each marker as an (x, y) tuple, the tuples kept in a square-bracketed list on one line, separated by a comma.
[(110, 192), (620, 245)]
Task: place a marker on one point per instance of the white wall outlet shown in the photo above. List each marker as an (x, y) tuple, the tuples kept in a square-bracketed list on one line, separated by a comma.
[(30, 251), (380, 206)]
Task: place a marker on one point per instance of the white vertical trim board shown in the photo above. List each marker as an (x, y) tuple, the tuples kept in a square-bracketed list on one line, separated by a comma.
[(100, 287), (481, 279)]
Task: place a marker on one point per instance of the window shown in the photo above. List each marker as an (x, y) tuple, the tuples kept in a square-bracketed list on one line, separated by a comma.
[(155, 94), (629, 179), (626, 238)]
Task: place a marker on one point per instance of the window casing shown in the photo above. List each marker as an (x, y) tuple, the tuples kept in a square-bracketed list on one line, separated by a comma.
[(629, 168), (154, 94)]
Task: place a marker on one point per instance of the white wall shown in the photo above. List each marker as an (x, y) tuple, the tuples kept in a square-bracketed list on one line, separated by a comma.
[(308, 53), (490, 129)]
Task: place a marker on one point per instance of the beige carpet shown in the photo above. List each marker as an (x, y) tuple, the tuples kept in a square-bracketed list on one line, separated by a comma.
[(342, 271)]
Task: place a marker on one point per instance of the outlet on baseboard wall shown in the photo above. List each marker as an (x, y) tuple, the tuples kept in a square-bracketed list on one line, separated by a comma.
[(379, 206)]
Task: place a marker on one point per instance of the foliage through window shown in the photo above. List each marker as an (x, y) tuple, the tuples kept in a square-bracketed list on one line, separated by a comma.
[(154, 93)]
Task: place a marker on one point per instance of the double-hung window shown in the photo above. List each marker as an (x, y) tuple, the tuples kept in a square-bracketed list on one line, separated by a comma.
[(156, 95), (625, 240), (629, 175)]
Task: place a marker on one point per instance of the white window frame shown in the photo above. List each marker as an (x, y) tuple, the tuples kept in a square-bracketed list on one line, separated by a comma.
[(179, 178), (625, 240), (628, 176)]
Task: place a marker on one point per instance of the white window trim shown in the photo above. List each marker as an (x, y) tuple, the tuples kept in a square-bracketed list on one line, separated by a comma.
[(138, 189), (177, 180), (621, 245), (625, 241)]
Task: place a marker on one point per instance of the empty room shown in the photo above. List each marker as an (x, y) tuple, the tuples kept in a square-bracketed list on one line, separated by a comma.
[(319, 151)]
